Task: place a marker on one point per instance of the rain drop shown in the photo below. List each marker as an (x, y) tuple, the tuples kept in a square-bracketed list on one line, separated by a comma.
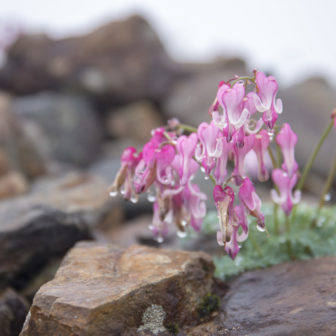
[(261, 228), (113, 193), (134, 199), (159, 239), (327, 197), (184, 222), (206, 177), (181, 234), (270, 133)]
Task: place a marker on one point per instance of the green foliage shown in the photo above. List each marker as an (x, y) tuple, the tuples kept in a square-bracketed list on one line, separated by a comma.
[(172, 328), (209, 304), (263, 249)]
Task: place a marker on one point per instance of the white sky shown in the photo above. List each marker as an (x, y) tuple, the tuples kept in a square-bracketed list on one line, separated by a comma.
[(292, 38)]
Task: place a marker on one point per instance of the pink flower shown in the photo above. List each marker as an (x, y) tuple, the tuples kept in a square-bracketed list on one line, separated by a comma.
[(224, 199), (186, 147), (240, 154), (261, 144), (210, 146), (129, 160), (220, 171), (232, 246), (287, 140), (265, 98), (251, 201), (156, 159), (285, 196)]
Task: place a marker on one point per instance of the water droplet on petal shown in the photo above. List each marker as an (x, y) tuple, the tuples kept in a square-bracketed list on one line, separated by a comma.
[(151, 195), (122, 191), (134, 199), (202, 169), (113, 193), (181, 234), (206, 177), (261, 228)]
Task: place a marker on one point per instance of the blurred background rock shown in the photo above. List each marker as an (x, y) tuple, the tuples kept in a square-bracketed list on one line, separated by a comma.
[(69, 105)]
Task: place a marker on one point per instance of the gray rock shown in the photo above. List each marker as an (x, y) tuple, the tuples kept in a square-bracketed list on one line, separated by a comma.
[(13, 310), (118, 62), (46, 223), (70, 129)]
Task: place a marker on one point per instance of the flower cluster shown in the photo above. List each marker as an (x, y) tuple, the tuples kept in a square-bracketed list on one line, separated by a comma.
[(243, 118), (285, 178)]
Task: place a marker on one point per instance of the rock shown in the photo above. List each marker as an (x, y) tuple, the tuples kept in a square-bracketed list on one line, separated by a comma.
[(13, 310), (12, 184), (103, 290), (70, 130), (17, 148), (307, 107), (119, 62), (295, 298), (192, 96), (134, 121), (44, 224)]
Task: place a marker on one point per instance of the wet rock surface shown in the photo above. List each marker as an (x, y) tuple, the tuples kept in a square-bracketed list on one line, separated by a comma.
[(46, 223), (13, 310), (104, 290), (296, 298)]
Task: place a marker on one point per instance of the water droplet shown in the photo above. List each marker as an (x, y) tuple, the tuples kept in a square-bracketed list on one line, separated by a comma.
[(184, 222), (159, 239), (181, 234), (327, 197), (206, 177), (261, 228), (151, 195), (113, 193), (134, 199), (202, 169), (270, 133), (122, 191)]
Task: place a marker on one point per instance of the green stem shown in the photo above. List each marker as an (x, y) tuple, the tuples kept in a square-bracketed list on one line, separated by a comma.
[(326, 188), (274, 162), (287, 224), (188, 128), (254, 243), (313, 156), (275, 217), (234, 81)]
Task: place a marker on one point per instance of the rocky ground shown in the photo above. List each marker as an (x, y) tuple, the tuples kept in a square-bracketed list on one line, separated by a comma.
[(67, 109)]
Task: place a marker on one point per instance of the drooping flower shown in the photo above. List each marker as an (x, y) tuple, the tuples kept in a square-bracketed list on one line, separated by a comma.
[(239, 220), (220, 171), (265, 98), (224, 199), (287, 140), (261, 144), (251, 201), (285, 196), (186, 146), (239, 155), (124, 178)]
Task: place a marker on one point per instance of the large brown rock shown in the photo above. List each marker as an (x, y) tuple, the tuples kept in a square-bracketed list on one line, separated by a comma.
[(46, 223), (118, 62), (103, 290), (13, 310), (295, 298)]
